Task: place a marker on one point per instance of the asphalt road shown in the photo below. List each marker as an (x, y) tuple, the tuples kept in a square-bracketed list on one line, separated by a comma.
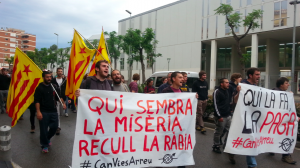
[(26, 150)]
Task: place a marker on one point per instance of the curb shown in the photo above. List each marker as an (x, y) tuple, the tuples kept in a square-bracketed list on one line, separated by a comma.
[(211, 125)]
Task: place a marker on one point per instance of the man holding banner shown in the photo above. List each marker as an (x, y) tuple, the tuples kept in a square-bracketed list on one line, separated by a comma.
[(264, 121)]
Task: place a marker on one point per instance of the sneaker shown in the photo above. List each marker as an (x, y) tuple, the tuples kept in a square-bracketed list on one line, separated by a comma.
[(231, 158), (45, 150), (288, 159), (49, 143), (58, 131), (198, 128), (203, 130), (216, 149), (66, 114), (32, 131)]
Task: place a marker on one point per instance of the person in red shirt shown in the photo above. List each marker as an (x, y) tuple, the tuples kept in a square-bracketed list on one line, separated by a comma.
[(149, 88)]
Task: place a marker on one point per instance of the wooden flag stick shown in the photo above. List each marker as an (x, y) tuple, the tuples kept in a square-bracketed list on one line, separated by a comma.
[(91, 45)]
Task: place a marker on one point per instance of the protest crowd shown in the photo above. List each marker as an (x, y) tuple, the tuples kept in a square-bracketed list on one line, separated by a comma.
[(50, 100)]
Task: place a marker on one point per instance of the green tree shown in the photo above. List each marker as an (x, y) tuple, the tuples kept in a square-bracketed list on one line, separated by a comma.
[(10, 61), (39, 57), (114, 46), (52, 56), (233, 20), (139, 42), (63, 56)]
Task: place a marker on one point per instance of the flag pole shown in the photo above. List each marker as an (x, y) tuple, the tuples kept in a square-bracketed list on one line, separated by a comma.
[(57, 94), (91, 45)]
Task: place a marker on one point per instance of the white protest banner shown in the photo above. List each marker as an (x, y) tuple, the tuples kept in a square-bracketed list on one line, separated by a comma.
[(263, 121), (119, 129)]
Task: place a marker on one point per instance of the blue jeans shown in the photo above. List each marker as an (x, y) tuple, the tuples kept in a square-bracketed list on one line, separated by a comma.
[(66, 111), (251, 161)]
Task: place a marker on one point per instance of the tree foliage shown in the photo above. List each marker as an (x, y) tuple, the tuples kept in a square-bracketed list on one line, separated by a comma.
[(9, 60), (234, 20), (114, 46)]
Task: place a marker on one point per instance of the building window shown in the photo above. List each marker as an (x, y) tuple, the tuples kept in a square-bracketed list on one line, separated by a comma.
[(17, 36), (280, 13), (227, 29), (122, 63), (249, 2), (5, 44), (207, 27), (216, 26), (262, 18), (6, 33), (6, 39), (228, 2), (12, 50)]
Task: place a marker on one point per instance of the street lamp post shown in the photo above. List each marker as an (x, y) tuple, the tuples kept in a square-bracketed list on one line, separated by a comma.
[(57, 49), (293, 86), (168, 62), (129, 75)]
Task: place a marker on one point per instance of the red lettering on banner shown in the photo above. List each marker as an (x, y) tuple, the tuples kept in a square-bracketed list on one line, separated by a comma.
[(106, 106), (123, 146), (188, 107), (167, 141), (149, 106), (176, 123), (180, 142), (93, 146), (154, 143), (171, 106), (284, 124), (189, 142), (162, 105), (179, 107), (121, 104), (131, 149), (84, 129), (160, 124), (112, 146), (103, 143), (138, 104), (141, 127), (265, 122), (174, 143), (291, 123), (145, 144), (117, 120), (97, 108), (99, 127), (149, 124), (278, 116), (83, 148)]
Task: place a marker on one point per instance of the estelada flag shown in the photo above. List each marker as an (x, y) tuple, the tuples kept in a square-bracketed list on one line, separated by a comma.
[(25, 78), (80, 58), (99, 57)]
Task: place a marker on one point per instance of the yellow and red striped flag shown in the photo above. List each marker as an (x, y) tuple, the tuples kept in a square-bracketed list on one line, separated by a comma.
[(25, 78), (98, 57), (80, 58)]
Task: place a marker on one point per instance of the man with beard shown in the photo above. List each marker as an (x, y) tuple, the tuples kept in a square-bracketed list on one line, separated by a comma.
[(222, 112), (45, 100), (253, 75), (117, 82), (98, 82)]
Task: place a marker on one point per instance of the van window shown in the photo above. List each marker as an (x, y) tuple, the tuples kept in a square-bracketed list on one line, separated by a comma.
[(158, 82), (190, 81)]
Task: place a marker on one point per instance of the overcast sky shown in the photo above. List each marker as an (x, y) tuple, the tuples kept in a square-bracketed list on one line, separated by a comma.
[(46, 17)]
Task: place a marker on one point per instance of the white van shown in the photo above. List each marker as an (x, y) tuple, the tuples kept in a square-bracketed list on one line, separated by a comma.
[(157, 78)]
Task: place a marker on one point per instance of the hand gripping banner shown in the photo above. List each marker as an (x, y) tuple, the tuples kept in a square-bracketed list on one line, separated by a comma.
[(263, 121), (117, 129)]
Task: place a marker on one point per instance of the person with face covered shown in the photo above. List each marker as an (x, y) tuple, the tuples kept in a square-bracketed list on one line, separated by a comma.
[(98, 82), (45, 100), (118, 85)]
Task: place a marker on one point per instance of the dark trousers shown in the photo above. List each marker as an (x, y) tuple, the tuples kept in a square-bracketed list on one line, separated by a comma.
[(72, 105), (49, 120), (32, 116)]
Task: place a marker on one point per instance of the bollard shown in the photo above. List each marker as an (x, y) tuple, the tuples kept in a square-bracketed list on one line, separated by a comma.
[(5, 138)]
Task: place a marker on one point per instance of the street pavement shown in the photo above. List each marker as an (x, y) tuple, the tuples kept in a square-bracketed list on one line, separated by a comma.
[(26, 151)]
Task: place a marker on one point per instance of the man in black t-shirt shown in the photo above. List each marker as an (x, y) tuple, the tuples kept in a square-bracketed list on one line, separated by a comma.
[(46, 112)]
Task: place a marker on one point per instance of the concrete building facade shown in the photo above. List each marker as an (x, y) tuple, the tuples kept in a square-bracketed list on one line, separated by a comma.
[(195, 38), (11, 38)]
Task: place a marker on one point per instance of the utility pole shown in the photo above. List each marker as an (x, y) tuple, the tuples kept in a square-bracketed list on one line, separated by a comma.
[(168, 62), (57, 50), (129, 69), (293, 83)]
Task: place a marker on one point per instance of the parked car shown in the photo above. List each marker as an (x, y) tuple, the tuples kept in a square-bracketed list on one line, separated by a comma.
[(157, 76)]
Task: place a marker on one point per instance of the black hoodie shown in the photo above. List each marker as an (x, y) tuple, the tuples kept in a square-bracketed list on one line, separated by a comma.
[(221, 103)]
